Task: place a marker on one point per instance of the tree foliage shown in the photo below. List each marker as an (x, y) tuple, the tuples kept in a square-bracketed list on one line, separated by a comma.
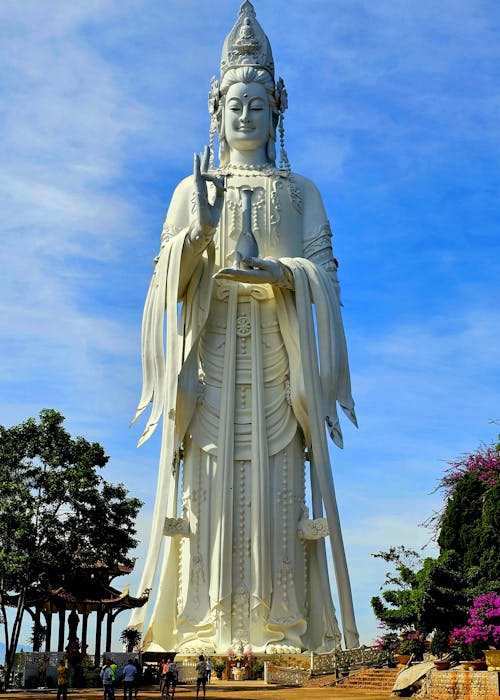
[(131, 637), (470, 528), (428, 594), (58, 515), (398, 605)]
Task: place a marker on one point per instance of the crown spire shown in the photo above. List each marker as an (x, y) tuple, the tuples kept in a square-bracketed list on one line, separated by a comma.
[(247, 44)]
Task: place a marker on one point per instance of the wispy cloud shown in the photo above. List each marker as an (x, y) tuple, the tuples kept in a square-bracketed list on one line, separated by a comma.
[(393, 112)]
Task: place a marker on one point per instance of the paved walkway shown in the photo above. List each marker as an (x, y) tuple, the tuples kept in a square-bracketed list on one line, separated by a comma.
[(217, 690)]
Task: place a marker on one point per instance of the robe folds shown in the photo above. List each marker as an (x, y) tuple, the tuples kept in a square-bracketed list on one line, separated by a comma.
[(244, 379)]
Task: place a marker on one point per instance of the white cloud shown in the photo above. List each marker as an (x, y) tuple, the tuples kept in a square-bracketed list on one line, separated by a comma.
[(393, 111)]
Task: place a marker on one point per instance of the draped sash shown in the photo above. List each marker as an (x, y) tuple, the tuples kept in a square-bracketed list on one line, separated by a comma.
[(168, 372)]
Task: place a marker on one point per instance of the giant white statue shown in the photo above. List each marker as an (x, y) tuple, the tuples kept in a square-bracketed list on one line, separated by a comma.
[(244, 362)]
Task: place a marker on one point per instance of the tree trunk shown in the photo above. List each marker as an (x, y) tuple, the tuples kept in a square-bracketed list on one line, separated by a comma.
[(48, 627), (10, 648), (3, 613), (37, 630)]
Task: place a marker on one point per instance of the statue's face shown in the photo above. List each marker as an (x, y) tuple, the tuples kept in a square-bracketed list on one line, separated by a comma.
[(246, 116)]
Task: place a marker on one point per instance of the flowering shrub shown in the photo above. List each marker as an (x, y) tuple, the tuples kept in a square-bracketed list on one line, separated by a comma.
[(440, 643), (388, 642), (485, 464), (412, 642), (408, 642), (483, 626)]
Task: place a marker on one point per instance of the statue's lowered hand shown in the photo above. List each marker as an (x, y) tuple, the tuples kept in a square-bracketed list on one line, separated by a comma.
[(258, 271)]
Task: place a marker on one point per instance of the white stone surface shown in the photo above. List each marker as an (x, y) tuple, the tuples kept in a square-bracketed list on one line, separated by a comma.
[(244, 388)]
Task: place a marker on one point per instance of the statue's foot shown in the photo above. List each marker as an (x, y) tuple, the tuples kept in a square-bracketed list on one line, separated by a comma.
[(195, 647), (283, 648)]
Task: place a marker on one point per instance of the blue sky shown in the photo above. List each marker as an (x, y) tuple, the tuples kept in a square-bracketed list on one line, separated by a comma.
[(394, 113)]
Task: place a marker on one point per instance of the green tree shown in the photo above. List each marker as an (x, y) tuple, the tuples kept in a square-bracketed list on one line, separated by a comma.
[(470, 528), (58, 515), (428, 594), (398, 605), (131, 637), (443, 593)]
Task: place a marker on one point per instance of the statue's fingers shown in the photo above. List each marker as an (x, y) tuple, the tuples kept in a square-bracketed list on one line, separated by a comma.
[(217, 181), (259, 263), (199, 184), (196, 170), (217, 207), (205, 159)]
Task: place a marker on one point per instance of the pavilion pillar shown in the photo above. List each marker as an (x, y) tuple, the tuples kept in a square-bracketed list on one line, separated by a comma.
[(98, 631), (36, 628), (85, 619), (62, 620), (109, 629), (48, 627)]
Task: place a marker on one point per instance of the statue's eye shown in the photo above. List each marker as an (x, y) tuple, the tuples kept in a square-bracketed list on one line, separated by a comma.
[(257, 105)]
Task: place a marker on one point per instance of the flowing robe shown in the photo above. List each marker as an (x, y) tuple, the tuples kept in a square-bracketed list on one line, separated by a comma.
[(239, 427)]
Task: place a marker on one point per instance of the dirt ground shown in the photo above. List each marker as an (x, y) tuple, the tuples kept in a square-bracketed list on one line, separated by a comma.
[(217, 690)]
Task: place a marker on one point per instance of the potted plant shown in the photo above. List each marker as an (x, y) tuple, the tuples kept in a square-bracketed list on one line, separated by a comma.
[(258, 670), (412, 644), (481, 634), (388, 646), (219, 667), (440, 647)]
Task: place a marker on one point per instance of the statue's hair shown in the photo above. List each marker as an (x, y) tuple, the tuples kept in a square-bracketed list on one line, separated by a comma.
[(248, 74)]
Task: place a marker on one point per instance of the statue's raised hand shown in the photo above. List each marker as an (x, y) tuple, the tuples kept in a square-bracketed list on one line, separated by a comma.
[(208, 215)]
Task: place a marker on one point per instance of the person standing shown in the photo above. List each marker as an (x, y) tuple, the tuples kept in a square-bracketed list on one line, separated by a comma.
[(138, 676), (209, 670), (163, 675), (171, 677), (114, 671), (128, 679), (62, 681), (107, 677), (201, 675)]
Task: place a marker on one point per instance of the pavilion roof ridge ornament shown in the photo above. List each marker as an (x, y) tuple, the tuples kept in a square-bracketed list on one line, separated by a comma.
[(247, 44)]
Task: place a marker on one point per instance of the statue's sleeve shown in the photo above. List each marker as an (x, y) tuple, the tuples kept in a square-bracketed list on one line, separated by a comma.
[(180, 211), (177, 222), (317, 234)]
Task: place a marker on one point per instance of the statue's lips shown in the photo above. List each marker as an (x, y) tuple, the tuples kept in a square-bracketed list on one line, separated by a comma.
[(245, 129)]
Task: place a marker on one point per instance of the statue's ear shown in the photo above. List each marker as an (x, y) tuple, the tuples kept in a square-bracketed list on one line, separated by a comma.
[(222, 126), (223, 151), (271, 150)]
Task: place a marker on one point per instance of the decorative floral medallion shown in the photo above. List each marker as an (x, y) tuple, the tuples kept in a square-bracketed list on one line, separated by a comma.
[(243, 326)]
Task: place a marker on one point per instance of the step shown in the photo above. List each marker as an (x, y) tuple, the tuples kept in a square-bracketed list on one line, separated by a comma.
[(371, 679)]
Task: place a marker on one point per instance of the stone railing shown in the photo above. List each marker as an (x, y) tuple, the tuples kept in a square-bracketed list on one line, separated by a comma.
[(51, 658), (324, 663), (346, 658), (119, 657), (187, 672), (279, 675), (35, 658)]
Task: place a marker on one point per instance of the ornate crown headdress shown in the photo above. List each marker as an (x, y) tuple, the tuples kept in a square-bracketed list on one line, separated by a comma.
[(246, 45)]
